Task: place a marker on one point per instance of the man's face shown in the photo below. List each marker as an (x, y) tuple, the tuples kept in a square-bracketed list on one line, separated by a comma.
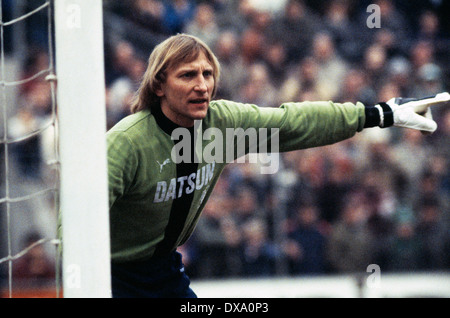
[(187, 91)]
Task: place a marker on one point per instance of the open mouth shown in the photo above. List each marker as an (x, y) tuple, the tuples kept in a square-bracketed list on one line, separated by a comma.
[(198, 101)]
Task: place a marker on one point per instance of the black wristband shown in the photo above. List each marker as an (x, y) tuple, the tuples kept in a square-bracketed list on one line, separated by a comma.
[(372, 117), (388, 115)]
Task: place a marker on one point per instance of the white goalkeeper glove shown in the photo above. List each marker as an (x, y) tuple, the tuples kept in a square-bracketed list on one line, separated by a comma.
[(410, 113)]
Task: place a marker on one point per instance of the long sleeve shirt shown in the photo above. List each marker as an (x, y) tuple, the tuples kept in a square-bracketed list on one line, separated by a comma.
[(156, 199)]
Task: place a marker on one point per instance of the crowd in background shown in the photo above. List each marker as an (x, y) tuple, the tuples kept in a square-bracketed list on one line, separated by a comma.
[(381, 197)]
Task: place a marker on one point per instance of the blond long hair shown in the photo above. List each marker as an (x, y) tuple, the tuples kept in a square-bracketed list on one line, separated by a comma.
[(180, 48)]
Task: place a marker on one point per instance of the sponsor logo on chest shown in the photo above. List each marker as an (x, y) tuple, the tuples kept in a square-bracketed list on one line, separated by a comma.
[(177, 187)]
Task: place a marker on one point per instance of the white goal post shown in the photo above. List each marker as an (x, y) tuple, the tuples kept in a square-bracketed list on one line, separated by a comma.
[(82, 148)]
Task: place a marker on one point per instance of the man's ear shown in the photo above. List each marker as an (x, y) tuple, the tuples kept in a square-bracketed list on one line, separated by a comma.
[(158, 84), (159, 90)]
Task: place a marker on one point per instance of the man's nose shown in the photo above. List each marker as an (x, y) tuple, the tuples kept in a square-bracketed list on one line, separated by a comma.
[(201, 86)]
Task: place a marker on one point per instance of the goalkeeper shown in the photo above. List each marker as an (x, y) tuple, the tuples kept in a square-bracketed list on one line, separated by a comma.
[(155, 201)]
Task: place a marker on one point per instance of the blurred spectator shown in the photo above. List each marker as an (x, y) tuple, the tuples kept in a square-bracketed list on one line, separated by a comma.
[(246, 205), (339, 23), (38, 99), (217, 241), (27, 153), (123, 53), (246, 176), (337, 184), (33, 112), (308, 173), (122, 89), (36, 61), (204, 24), (305, 247), (177, 14), (381, 203), (394, 32), (421, 53), (439, 168), (232, 66), (430, 187), (350, 241), (405, 248), (429, 80), (258, 88), (36, 267), (375, 65), (234, 15), (252, 47), (331, 67), (431, 30), (298, 23), (355, 88), (399, 72), (259, 254), (433, 235), (411, 145), (276, 62), (302, 80), (443, 134), (148, 14), (440, 162), (274, 7), (428, 27)]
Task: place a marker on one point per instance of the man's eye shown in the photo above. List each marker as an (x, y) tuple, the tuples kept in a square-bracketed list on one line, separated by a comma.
[(207, 73)]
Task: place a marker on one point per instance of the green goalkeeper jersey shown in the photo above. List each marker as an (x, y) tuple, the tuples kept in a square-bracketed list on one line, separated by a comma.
[(156, 200)]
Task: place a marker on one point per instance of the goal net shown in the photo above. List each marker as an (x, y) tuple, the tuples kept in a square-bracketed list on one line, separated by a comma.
[(53, 199)]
